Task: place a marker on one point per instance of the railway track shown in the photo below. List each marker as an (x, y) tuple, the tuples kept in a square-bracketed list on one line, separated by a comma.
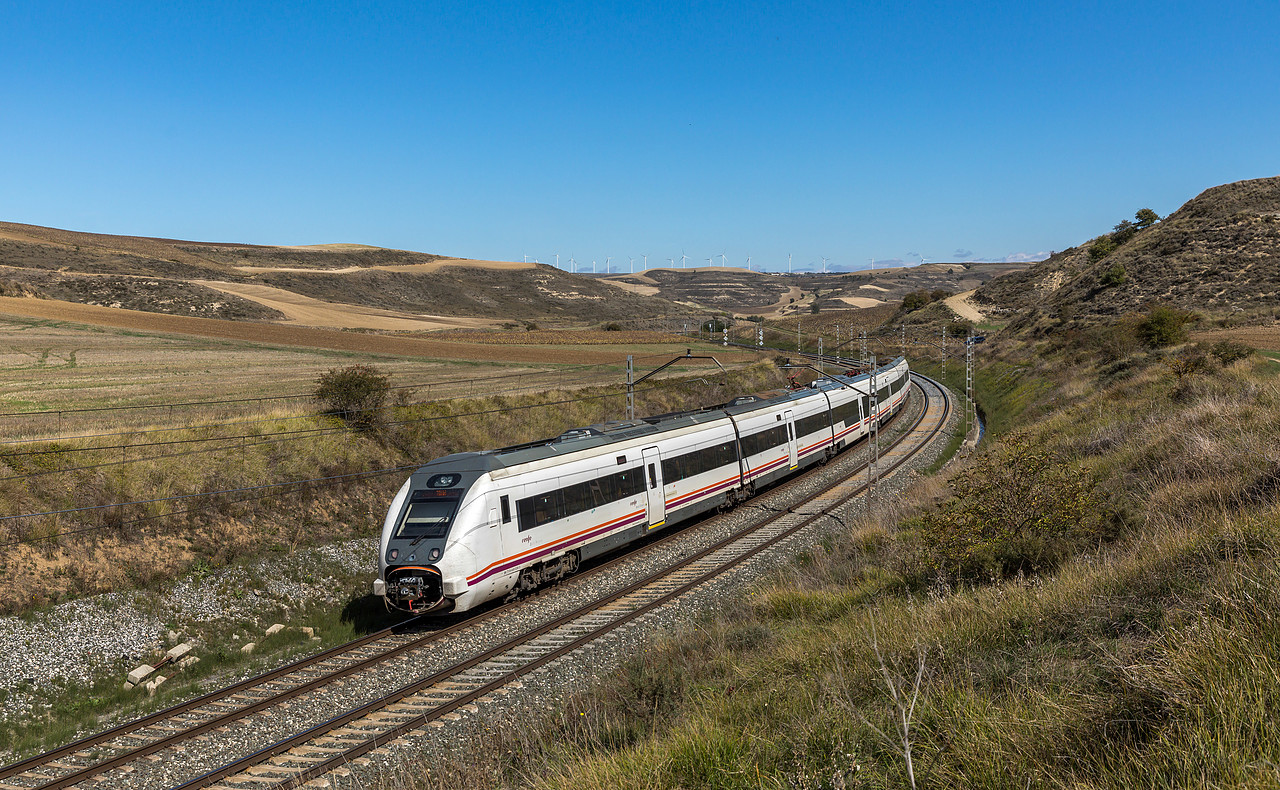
[(312, 750)]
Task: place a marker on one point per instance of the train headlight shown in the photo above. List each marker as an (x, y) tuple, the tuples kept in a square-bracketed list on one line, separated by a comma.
[(392, 555), (435, 554)]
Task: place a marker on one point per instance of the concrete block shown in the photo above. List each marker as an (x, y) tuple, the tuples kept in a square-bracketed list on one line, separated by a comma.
[(275, 629), (150, 687), (129, 686), (307, 631), (135, 677), (248, 648), (178, 651), (188, 662), (159, 679)]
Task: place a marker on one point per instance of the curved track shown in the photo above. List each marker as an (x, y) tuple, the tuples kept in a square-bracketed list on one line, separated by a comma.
[(315, 750)]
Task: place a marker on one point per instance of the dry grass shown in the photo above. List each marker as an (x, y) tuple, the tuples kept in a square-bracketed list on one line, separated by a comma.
[(48, 558), (1150, 660)]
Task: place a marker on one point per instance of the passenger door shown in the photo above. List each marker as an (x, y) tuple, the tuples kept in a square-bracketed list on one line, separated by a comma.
[(656, 504), (790, 419)]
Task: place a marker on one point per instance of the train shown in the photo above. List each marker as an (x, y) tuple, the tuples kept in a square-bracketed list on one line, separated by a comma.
[(472, 527)]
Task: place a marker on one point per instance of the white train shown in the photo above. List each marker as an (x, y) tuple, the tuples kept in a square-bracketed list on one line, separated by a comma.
[(471, 527)]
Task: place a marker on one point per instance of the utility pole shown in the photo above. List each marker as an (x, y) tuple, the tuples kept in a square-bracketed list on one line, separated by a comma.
[(944, 354), (970, 412), (874, 444), (821, 366), (904, 338), (797, 334), (631, 395), (862, 357), (760, 335)]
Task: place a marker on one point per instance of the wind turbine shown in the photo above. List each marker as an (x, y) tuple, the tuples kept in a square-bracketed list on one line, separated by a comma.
[(557, 259), (722, 259), (709, 261), (646, 261), (824, 264), (633, 264), (748, 263), (573, 264), (606, 264), (684, 260), (673, 262), (593, 265), (788, 263)]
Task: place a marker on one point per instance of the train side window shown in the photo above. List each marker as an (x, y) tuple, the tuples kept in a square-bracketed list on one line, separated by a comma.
[(653, 477), (506, 509)]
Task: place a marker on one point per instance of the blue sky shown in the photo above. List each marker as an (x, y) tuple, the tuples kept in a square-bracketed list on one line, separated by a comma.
[(855, 131)]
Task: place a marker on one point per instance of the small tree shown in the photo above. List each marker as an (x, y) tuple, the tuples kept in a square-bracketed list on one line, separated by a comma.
[(1123, 231), (1145, 218), (355, 393)]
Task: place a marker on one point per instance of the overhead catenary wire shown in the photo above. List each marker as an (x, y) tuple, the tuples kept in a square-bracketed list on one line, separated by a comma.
[(180, 497), (266, 439), (332, 480), (308, 395), (259, 420)]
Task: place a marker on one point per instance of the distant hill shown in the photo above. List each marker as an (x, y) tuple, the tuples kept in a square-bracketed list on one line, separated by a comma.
[(170, 276), (1219, 255), (770, 294)]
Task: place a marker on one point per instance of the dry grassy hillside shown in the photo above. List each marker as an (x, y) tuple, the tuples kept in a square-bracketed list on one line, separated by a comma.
[(165, 276), (743, 292), (1219, 255)]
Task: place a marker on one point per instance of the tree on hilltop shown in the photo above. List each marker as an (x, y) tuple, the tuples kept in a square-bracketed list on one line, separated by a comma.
[(1146, 218)]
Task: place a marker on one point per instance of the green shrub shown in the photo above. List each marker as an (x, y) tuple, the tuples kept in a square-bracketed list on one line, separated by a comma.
[(915, 300), (1019, 509), (355, 393), (1113, 276), (1164, 326), (1101, 248), (1230, 351), (1187, 362)]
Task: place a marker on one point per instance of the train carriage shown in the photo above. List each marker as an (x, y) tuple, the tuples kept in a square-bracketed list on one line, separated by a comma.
[(472, 527)]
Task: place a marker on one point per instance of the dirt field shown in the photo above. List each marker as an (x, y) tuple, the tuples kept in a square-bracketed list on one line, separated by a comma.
[(432, 266), (306, 311), (1266, 338), (283, 335), (861, 301)]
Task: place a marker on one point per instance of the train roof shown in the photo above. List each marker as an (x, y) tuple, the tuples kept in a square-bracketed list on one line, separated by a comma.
[(613, 432)]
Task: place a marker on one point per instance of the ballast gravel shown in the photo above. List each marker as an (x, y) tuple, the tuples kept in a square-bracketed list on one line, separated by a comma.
[(75, 642)]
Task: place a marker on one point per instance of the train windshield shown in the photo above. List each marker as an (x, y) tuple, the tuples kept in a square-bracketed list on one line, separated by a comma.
[(429, 514)]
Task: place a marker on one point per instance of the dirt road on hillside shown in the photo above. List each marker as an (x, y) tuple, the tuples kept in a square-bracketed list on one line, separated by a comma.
[(961, 306)]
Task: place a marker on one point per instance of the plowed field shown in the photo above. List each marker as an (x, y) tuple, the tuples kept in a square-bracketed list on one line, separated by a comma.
[(276, 334)]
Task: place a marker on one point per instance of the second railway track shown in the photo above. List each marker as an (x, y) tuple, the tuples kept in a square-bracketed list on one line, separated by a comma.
[(460, 675)]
